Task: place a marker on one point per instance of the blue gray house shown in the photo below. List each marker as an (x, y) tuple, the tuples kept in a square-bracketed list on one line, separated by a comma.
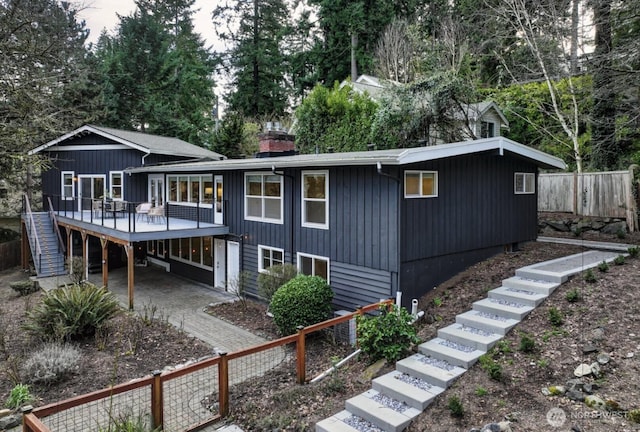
[(371, 223)]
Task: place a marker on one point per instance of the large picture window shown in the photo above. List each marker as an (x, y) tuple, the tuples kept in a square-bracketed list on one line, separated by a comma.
[(313, 265), (193, 250), (315, 194), (263, 197), (420, 184), (195, 189), (268, 257), (67, 189), (525, 183)]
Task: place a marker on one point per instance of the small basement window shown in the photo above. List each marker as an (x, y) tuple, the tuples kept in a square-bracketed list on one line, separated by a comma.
[(524, 183)]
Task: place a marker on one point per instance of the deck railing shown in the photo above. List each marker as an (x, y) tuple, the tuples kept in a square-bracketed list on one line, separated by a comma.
[(185, 399), (32, 232)]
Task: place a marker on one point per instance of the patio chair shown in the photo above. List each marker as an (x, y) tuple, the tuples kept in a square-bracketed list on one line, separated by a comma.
[(119, 209), (96, 208), (156, 213), (143, 210)]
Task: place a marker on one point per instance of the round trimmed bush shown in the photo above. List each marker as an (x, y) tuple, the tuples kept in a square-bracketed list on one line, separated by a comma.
[(303, 301)]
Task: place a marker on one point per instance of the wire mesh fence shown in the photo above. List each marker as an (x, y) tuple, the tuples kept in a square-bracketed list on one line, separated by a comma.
[(196, 395)]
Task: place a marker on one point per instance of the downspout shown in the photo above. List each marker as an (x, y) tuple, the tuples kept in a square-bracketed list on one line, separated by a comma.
[(291, 225), (145, 156)]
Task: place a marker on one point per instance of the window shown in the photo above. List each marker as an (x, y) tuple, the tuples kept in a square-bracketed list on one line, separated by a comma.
[(268, 257), (313, 265), (155, 247), (315, 192), (67, 189), (194, 250), (115, 182), (195, 189), (525, 183), (263, 197), (420, 184), (487, 129)]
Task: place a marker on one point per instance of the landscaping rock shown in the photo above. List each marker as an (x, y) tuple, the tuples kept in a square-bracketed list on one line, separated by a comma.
[(589, 348), (614, 228), (597, 334), (595, 369), (582, 370), (513, 417), (595, 402), (603, 359), (9, 421), (4, 412), (575, 395)]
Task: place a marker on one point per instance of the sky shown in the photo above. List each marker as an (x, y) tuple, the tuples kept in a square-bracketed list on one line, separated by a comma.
[(100, 14)]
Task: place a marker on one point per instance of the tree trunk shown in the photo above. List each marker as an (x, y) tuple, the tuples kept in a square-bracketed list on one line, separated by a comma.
[(354, 63)]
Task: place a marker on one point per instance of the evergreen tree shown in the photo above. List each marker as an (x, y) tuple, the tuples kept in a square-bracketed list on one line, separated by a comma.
[(254, 31), (157, 73), (47, 86)]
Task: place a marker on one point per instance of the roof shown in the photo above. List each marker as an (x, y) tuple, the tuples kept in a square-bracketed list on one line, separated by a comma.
[(477, 110), (394, 157), (146, 143)]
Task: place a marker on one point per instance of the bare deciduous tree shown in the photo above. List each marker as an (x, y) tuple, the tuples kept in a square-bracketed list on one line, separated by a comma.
[(396, 53)]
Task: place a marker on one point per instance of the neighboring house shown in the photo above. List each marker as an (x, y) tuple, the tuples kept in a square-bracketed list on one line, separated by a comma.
[(371, 223), (478, 120)]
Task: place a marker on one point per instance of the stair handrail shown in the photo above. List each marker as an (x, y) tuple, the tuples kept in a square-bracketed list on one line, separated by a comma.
[(32, 229), (56, 228)]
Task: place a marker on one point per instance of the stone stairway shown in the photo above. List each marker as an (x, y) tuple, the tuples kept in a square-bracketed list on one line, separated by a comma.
[(51, 261), (400, 396)]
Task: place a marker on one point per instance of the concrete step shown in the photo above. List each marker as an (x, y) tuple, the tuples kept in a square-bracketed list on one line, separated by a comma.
[(516, 311), (535, 285), (526, 297), (336, 423), (474, 337), (411, 390), (436, 372), (373, 407), (453, 352), (488, 322)]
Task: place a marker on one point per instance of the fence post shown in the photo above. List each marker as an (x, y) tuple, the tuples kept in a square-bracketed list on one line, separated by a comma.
[(300, 356), (157, 402), (223, 384)]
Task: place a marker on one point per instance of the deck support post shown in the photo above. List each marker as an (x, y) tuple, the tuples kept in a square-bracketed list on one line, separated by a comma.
[(85, 255), (24, 249), (128, 248), (105, 261)]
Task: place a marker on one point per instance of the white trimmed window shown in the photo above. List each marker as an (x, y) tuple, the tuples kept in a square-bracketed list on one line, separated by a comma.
[(195, 251), (156, 248), (420, 184), (116, 186), (67, 187), (263, 197), (268, 257), (313, 265), (487, 129), (315, 199), (524, 183), (194, 189)]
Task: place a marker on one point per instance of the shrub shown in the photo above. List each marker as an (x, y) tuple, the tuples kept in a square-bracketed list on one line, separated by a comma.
[(71, 312), (572, 296), (481, 391), (489, 364), (555, 317), (274, 278), (302, 301), (619, 260), (633, 251), (527, 344), (388, 335), (589, 276), (52, 363), (19, 396), (603, 267), (24, 287), (129, 423), (455, 406)]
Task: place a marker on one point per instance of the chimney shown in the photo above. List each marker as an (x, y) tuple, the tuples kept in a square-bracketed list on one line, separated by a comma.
[(275, 141)]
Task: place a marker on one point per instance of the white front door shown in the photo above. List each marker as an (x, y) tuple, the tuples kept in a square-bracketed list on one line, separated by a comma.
[(218, 203), (233, 264), (90, 187), (156, 189), (219, 264)]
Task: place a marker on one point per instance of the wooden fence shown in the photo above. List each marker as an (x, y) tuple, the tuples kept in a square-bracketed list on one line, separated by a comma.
[(601, 194), (153, 395)]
